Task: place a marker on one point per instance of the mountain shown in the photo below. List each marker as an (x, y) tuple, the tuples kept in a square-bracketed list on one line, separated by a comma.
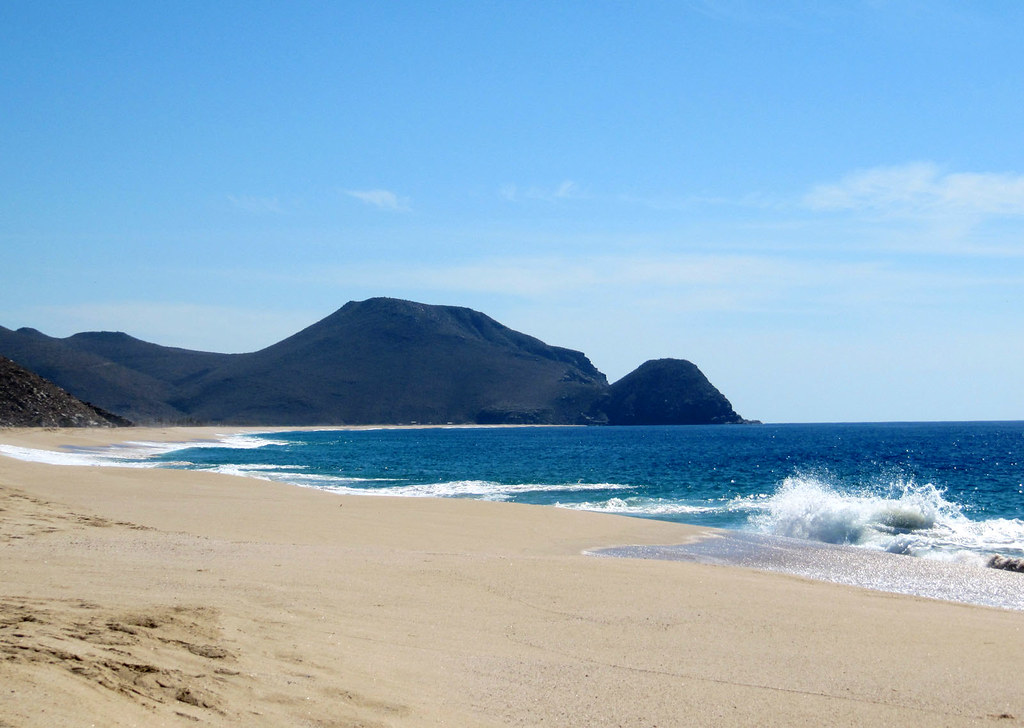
[(379, 361), (121, 374), (386, 360), (376, 361), (28, 400), (667, 392)]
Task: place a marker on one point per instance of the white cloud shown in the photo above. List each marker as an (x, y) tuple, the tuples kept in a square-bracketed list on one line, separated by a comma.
[(922, 189), (566, 190), (381, 199)]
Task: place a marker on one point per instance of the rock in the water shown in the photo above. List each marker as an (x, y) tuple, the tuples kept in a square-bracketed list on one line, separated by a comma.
[(1006, 563)]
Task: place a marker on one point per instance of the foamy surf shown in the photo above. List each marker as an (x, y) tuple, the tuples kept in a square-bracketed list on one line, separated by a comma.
[(134, 453), (479, 489), (644, 506), (897, 515), (81, 458)]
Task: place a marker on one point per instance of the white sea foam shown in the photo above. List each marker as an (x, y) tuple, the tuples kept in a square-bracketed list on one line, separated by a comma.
[(99, 457), (644, 506), (480, 489), (244, 442), (146, 449), (902, 517), (284, 474), (133, 453), (53, 457), (640, 506)]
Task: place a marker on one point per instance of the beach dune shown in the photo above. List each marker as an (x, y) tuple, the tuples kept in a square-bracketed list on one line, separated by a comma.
[(141, 597)]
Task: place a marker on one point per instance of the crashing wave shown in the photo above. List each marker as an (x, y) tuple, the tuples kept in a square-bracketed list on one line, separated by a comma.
[(899, 516)]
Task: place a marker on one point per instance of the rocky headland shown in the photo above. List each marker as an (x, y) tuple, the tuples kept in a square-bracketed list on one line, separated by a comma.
[(379, 361)]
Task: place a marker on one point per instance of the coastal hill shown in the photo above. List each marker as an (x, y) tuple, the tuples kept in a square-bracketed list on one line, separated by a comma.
[(122, 374), (28, 400), (667, 392), (387, 361), (379, 361)]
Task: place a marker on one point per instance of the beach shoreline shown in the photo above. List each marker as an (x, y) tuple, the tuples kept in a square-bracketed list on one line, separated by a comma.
[(160, 597)]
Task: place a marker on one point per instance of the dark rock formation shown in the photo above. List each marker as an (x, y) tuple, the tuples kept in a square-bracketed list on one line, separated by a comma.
[(667, 392), (28, 400), (1006, 563), (380, 361)]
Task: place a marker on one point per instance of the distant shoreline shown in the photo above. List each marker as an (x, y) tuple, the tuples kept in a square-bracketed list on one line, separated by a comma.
[(55, 438)]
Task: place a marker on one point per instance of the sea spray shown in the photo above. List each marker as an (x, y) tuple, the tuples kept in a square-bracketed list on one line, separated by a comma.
[(894, 514)]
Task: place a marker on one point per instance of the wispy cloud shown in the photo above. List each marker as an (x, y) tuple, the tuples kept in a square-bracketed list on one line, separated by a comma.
[(381, 199), (922, 188), (566, 190), (754, 285)]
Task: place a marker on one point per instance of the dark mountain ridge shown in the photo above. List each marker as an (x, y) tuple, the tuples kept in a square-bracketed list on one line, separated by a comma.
[(115, 387), (379, 361)]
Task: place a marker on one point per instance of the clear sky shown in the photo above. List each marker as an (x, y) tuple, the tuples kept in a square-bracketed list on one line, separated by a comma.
[(821, 204)]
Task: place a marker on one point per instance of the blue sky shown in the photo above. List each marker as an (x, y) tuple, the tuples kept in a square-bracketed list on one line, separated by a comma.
[(821, 204)]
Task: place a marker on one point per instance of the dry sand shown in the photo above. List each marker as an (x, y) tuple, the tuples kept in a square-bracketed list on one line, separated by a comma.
[(132, 597)]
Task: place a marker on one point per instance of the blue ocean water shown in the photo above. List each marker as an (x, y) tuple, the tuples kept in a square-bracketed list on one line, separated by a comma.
[(947, 491)]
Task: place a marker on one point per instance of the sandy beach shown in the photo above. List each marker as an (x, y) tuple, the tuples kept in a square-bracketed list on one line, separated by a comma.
[(142, 597)]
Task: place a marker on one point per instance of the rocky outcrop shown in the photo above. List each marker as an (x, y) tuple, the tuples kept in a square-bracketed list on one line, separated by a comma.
[(667, 392), (28, 400), (1006, 563)]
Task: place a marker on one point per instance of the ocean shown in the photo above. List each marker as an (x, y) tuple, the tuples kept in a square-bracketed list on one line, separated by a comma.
[(908, 507)]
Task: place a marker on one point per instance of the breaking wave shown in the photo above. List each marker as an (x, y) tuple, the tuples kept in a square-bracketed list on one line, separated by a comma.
[(479, 489), (645, 506), (898, 516)]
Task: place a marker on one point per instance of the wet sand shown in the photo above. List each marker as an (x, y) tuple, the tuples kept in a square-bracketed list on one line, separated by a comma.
[(968, 582), (165, 598)]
